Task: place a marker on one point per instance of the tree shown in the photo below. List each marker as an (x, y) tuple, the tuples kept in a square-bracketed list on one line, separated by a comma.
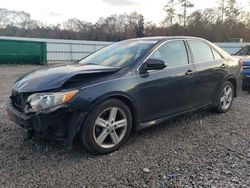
[(77, 25), (232, 11), (221, 8), (210, 16), (170, 11), (185, 4), (140, 27), (207, 24), (18, 19)]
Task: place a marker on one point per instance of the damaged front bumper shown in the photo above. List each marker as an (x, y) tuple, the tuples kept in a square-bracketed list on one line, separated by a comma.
[(60, 125)]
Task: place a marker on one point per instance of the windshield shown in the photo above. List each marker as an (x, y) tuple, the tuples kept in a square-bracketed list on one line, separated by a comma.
[(119, 54), (244, 51)]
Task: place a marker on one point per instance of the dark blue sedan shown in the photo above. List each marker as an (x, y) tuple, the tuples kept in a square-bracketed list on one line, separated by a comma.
[(129, 85)]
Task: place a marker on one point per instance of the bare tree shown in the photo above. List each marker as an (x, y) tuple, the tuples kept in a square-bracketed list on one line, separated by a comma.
[(207, 24), (76, 25), (221, 8), (169, 8), (210, 16), (140, 32), (232, 11), (185, 4)]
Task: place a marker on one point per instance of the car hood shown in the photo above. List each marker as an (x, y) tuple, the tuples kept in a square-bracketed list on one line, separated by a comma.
[(54, 77)]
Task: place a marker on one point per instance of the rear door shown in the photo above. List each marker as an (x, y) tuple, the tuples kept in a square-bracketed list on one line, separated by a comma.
[(210, 68)]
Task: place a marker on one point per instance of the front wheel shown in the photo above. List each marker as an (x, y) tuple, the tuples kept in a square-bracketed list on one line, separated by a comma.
[(106, 127), (225, 98)]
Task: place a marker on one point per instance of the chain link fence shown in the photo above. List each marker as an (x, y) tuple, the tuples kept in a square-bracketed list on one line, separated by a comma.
[(59, 50)]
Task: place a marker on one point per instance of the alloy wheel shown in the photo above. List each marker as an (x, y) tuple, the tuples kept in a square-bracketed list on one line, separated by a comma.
[(110, 127), (226, 97)]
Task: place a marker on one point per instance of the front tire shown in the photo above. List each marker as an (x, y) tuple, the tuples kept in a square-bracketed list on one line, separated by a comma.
[(106, 127), (225, 98)]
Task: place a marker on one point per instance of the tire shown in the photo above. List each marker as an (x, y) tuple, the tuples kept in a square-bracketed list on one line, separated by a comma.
[(225, 98), (107, 127)]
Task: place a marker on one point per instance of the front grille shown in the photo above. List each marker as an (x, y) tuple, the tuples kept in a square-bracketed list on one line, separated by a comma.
[(18, 100)]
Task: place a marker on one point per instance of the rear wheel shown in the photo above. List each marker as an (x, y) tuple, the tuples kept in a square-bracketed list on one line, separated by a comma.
[(107, 127), (225, 98)]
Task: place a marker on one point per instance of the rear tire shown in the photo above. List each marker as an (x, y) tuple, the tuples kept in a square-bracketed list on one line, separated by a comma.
[(106, 127), (225, 98)]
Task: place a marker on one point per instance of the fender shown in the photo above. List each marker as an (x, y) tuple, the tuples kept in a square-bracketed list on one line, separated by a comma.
[(85, 105)]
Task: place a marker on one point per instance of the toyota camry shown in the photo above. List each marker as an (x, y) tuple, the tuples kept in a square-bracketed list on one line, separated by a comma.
[(129, 85)]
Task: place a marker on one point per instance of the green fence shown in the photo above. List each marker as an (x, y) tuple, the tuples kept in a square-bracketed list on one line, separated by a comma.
[(22, 52)]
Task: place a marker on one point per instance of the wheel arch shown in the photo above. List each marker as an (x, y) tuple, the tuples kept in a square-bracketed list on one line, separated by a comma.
[(233, 81), (126, 100), (131, 105)]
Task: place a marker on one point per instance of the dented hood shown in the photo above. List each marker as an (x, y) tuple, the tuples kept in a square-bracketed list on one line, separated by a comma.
[(55, 77)]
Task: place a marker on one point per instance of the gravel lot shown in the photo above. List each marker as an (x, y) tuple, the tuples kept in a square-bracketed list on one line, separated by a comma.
[(200, 150)]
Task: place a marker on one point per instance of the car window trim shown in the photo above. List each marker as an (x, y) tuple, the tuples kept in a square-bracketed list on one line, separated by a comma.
[(214, 50), (151, 53)]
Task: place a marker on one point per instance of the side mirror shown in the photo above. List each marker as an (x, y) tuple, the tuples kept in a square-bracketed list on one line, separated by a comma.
[(155, 64)]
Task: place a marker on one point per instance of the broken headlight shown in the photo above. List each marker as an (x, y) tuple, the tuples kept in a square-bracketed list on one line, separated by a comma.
[(48, 101)]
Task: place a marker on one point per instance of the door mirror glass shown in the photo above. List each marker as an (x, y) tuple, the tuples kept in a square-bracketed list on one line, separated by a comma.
[(155, 64)]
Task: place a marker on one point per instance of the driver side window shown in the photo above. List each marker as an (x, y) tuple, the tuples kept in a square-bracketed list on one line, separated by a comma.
[(173, 53)]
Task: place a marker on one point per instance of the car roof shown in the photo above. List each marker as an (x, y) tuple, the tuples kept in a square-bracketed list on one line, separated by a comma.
[(163, 38)]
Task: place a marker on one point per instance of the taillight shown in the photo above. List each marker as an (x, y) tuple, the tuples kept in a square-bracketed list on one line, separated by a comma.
[(241, 63)]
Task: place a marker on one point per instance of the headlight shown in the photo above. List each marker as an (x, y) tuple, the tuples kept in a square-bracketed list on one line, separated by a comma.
[(45, 101)]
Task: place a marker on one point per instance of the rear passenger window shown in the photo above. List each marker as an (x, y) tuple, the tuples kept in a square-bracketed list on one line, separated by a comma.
[(217, 56), (173, 53), (201, 52)]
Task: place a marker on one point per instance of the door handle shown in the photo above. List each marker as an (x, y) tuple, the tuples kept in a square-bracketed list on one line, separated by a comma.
[(189, 72), (223, 66)]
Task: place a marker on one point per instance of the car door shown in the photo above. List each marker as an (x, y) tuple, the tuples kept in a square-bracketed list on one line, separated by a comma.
[(210, 70), (169, 91)]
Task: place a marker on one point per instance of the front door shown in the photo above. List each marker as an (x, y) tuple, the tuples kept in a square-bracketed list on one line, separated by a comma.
[(169, 91)]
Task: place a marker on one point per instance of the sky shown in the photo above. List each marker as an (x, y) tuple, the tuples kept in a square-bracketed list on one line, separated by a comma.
[(58, 11)]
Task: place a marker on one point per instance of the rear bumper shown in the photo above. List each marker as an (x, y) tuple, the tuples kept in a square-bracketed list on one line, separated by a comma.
[(60, 125)]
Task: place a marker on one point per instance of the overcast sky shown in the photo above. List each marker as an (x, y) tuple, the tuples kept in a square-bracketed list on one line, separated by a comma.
[(57, 11)]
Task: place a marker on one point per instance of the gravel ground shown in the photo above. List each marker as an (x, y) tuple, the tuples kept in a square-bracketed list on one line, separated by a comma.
[(200, 150)]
